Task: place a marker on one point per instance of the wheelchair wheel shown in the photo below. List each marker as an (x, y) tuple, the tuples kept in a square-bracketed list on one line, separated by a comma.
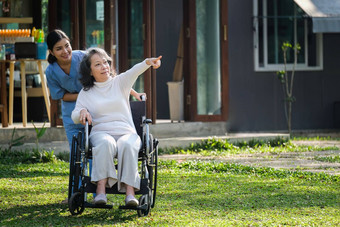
[(75, 167), (152, 169), (72, 168), (76, 203), (144, 199)]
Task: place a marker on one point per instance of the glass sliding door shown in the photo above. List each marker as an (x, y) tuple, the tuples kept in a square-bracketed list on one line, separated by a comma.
[(208, 57), (94, 23), (136, 38), (206, 60)]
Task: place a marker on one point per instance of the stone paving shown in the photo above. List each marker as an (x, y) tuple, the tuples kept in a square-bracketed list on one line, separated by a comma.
[(55, 140), (304, 161)]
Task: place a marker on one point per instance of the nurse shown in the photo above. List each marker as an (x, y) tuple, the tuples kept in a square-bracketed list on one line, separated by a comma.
[(63, 78)]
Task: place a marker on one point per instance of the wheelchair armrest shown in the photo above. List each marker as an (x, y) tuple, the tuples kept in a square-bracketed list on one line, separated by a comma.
[(87, 142)]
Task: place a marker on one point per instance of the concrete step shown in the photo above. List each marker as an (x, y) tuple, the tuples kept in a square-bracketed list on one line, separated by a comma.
[(164, 129), (29, 133), (164, 143), (168, 134)]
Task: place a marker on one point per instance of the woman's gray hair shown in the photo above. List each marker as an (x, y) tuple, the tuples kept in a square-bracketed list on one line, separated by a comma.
[(87, 80)]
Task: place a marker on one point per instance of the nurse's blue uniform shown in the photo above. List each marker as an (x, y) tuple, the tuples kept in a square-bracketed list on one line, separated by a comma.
[(60, 83)]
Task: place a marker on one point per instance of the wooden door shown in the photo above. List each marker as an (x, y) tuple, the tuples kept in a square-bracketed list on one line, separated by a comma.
[(206, 60)]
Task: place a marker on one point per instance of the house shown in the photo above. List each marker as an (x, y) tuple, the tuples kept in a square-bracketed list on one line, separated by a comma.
[(256, 31), (232, 51), (250, 35)]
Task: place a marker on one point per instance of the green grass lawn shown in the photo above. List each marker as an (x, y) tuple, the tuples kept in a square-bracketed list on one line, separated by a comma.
[(219, 147), (189, 194)]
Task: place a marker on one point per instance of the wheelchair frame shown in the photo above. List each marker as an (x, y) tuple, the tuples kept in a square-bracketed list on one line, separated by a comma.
[(81, 152)]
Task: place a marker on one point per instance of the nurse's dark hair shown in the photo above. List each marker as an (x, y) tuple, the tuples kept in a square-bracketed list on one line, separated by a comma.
[(52, 38), (86, 79)]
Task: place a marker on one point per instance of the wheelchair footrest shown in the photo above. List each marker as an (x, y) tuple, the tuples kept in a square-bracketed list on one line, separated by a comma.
[(91, 205), (141, 207), (91, 188)]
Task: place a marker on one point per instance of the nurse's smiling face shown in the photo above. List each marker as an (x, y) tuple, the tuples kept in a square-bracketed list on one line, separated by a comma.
[(62, 50), (100, 68)]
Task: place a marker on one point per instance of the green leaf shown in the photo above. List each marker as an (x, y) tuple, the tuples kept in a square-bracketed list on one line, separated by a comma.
[(41, 132), (18, 139), (17, 144), (35, 128)]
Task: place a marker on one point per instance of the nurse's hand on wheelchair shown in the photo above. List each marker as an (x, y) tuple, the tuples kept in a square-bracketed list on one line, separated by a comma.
[(84, 114)]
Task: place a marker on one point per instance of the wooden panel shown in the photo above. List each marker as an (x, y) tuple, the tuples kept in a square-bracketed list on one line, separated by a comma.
[(37, 14), (153, 54), (123, 36), (3, 109), (189, 68), (74, 8), (147, 54), (82, 25), (109, 28), (224, 60), (21, 20), (52, 15), (31, 92)]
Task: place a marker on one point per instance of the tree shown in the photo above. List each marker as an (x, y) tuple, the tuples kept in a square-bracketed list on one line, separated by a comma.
[(287, 81)]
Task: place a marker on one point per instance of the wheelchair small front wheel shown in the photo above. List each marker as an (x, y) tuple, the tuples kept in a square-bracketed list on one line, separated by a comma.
[(76, 203), (144, 199)]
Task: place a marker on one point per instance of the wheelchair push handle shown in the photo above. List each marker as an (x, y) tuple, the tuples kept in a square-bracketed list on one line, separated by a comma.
[(143, 97)]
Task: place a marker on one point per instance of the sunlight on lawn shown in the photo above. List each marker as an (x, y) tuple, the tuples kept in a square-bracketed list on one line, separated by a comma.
[(30, 195)]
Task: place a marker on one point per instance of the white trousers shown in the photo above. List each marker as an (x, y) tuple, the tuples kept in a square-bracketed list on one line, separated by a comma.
[(125, 148)]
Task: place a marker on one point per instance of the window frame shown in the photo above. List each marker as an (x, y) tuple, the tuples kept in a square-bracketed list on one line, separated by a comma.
[(268, 67)]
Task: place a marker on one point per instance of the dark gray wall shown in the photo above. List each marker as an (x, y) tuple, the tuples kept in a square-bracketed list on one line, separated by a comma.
[(169, 17), (256, 99)]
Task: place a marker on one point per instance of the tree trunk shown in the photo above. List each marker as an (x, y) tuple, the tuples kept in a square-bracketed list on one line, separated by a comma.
[(289, 117)]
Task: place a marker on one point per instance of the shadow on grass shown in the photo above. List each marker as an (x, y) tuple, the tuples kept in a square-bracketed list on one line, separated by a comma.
[(20, 171), (58, 215)]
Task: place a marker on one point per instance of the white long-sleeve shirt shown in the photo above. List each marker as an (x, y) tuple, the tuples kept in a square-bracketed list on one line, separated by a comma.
[(108, 103)]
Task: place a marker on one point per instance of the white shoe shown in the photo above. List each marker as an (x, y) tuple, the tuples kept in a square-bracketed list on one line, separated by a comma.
[(100, 199), (131, 201)]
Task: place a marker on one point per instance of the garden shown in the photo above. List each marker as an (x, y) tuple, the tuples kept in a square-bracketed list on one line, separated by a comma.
[(191, 192)]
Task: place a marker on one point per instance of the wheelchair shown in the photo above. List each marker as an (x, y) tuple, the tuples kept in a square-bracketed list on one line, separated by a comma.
[(80, 179)]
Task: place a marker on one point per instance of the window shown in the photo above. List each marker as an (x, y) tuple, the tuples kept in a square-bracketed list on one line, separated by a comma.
[(278, 21), (94, 23)]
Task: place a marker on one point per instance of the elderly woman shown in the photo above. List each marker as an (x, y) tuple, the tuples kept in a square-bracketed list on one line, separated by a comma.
[(104, 102), (63, 78)]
